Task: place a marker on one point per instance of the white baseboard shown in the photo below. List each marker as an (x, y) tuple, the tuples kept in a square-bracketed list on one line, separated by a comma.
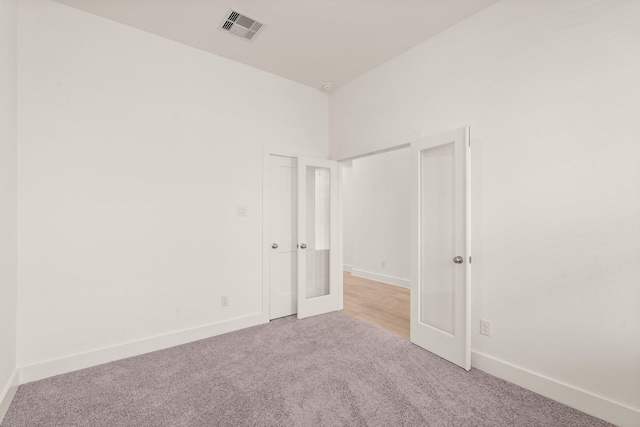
[(598, 406), (8, 391), (347, 267), (79, 361), (390, 280)]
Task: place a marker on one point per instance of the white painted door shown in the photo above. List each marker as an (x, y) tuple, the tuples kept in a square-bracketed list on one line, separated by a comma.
[(283, 290), (318, 256), (440, 274)]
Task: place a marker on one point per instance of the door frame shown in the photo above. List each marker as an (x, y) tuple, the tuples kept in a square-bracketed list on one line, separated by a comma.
[(267, 152), (397, 143)]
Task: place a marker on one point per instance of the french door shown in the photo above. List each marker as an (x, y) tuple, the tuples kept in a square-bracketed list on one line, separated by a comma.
[(440, 246), (318, 255), (283, 236)]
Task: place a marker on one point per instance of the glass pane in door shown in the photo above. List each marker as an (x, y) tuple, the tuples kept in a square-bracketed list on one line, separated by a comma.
[(437, 213), (318, 230)]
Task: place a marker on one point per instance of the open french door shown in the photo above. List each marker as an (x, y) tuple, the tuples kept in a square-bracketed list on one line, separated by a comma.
[(318, 254), (440, 246)]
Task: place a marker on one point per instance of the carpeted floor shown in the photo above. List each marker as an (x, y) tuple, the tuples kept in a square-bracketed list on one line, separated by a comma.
[(328, 370)]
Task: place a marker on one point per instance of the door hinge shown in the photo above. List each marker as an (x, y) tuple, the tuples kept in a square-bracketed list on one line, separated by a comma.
[(469, 260)]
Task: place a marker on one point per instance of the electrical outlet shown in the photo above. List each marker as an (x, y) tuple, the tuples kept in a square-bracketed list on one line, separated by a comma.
[(485, 327), (241, 211), (224, 301)]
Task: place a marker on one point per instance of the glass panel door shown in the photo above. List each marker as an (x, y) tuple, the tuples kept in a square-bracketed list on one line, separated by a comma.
[(437, 237), (318, 269), (318, 234), (440, 271)]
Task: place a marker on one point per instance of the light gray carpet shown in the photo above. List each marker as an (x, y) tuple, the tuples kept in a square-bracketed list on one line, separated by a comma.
[(327, 370)]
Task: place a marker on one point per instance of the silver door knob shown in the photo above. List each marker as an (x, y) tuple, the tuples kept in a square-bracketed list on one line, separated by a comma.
[(458, 260), (274, 246), (303, 246)]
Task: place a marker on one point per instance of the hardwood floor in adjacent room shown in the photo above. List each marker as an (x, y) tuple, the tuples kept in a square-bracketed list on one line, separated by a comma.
[(383, 305)]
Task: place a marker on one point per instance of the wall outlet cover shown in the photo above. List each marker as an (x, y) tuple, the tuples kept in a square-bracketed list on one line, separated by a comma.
[(485, 327)]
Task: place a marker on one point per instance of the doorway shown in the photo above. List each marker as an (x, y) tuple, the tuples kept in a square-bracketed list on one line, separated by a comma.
[(376, 236), (439, 238)]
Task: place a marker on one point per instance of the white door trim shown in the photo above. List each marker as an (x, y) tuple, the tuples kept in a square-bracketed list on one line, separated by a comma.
[(379, 147), (340, 236)]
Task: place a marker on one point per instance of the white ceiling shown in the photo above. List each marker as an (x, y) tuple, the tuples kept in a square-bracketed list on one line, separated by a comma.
[(309, 41)]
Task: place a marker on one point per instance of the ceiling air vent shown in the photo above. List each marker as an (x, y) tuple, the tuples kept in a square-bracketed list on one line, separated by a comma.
[(241, 25)]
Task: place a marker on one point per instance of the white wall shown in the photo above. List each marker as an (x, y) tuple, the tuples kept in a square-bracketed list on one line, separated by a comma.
[(134, 152), (8, 168), (377, 210), (551, 93)]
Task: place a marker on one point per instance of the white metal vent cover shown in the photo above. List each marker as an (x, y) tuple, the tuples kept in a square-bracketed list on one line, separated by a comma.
[(241, 25)]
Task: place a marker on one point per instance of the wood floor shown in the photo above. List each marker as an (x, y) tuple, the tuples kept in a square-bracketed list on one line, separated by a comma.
[(386, 306)]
